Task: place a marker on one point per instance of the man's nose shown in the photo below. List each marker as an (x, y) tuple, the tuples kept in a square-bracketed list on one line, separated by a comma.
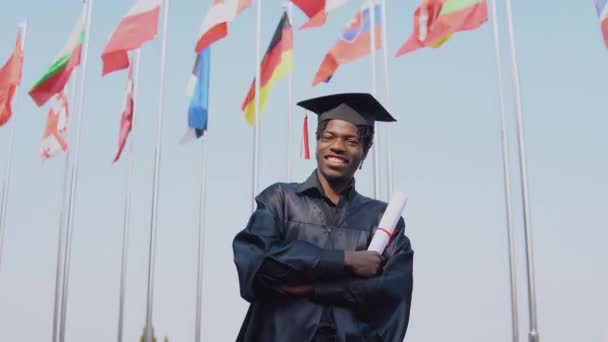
[(337, 145)]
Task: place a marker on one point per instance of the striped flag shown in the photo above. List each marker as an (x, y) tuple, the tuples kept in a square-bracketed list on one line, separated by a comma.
[(215, 25), (277, 62), (57, 76), (137, 27), (55, 136), (354, 43), (601, 7), (126, 119), (436, 20), (198, 91)]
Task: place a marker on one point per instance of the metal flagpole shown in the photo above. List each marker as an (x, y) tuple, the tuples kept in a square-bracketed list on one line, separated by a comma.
[(288, 8), (372, 15), (62, 217), (127, 208), (11, 139), (154, 214), (507, 178), (256, 121), (74, 177), (201, 243), (533, 333), (387, 93)]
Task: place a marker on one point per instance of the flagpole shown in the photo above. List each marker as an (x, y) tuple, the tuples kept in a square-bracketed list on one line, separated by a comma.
[(372, 14), (61, 238), (127, 207), (11, 140), (507, 178), (201, 242), (288, 8), (387, 132), (157, 155), (533, 333), (74, 177), (256, 121)]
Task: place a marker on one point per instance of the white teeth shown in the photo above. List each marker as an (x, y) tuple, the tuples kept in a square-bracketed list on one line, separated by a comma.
[(336, 160)]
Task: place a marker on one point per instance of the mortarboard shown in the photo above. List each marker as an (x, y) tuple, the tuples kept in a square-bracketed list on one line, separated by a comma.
[(356, 108)]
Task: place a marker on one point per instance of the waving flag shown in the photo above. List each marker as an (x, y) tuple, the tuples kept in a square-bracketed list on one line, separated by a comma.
[(10, 77), (137, 27), (215, 24), (198, 91), (55, 136), (58, 75), (601, 6), (126, 119), (276, 63), (317, 11), (354, 43), (436, 20)]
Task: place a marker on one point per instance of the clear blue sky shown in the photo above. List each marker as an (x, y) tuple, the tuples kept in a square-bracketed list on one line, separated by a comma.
[(447, 156)]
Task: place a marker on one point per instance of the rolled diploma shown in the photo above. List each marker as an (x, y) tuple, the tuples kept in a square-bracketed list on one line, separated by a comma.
[(388, 222)]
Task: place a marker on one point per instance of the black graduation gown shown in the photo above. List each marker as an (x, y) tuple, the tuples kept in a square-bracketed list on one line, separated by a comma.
[(287, 241)]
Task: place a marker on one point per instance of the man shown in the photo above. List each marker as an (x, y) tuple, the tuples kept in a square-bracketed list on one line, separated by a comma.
[(302, 259)]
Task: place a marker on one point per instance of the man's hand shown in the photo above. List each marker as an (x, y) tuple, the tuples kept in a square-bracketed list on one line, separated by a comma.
[(295, 290), (363, 263)]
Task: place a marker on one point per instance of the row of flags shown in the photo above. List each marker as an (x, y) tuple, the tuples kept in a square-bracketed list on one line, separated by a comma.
[(435, 21)]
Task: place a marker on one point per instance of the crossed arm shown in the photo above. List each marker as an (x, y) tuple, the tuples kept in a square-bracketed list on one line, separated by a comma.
[(354, 279)]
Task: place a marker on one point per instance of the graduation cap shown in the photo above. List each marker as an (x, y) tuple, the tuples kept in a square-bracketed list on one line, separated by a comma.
[(356, 108)]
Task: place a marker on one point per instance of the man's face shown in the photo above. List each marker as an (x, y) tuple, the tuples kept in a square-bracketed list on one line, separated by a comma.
[(339, 151)]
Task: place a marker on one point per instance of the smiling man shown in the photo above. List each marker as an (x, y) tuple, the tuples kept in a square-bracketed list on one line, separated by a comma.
[(302, 259)]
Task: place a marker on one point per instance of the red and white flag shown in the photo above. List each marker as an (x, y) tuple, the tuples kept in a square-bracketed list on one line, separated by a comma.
[(55, 136), (137, 27), (126, 119), (215, 24), (317, 11)]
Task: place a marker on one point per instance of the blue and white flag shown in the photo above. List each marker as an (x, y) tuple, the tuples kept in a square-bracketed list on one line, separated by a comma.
[(198, 91)]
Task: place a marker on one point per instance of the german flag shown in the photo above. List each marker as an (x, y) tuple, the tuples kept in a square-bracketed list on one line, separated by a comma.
[(277, 61)]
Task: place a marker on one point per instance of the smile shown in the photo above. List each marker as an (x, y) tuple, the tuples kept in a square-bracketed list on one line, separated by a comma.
[(336, 160)]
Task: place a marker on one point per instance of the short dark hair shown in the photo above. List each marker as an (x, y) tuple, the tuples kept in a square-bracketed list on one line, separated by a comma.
[(366, 134)]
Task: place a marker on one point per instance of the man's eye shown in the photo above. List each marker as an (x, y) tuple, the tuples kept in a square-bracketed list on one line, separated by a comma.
[(326, 137), (353, 142)]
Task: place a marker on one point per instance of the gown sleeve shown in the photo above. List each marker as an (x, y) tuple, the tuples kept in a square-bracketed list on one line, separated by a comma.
[(264, 260)]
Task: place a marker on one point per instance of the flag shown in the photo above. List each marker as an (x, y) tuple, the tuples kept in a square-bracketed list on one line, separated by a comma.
[(601, 6), (305, 138), (277, 62), (126, 119), (57, 76), (10, 78), (55, 136), (317, 11), (436, 20), (137, 27), (198, 91), (215, 25), (354, 43)]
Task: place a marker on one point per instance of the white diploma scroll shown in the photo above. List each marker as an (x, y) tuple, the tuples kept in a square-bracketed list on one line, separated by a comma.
[(388, 222)]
